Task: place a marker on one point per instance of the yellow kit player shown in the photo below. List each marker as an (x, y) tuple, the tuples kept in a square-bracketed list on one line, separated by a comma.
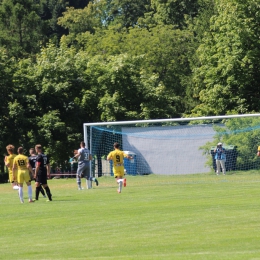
[(21, 168), (9, 164), (117, 156)]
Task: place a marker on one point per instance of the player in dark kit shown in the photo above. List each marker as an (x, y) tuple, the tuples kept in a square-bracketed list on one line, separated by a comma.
[(32, 161), (42, 171)]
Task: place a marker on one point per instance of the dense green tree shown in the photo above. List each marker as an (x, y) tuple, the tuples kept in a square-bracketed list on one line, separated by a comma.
[(127, 12), (164, 52), (50, 12), (124, 13), (50, 88), (6, 97), (65, 88), (20, 27), (197, 26), (128, 92), (79, 4), (80, 20), (101, 14), (228, 76), (28, 25), (169, 12)]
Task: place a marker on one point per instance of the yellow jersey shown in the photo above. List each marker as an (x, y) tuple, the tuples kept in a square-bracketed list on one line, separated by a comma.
[(10, 161), (21, 162), (117, 156)]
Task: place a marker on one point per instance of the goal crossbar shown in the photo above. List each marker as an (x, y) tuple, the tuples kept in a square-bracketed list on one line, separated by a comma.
[(167, 120)]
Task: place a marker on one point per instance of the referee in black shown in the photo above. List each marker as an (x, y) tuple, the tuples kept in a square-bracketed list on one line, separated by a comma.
[(32, 161), (42, 171)]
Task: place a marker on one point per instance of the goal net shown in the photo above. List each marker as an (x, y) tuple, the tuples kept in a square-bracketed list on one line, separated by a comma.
[(176, 146)]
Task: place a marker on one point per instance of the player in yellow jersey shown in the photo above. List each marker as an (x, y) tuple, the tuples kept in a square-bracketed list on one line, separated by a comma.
[(21, 168), (117, 156), (9, 164)]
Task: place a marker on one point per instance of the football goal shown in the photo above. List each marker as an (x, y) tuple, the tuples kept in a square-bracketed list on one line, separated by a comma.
[(176, 146)]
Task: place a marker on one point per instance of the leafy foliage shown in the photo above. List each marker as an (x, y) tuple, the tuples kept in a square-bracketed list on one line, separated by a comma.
[(20, 27), (229, 54)]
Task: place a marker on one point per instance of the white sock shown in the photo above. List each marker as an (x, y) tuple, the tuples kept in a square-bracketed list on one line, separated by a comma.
[(30, 192), (21, 193), (89, 184), (120, 186)]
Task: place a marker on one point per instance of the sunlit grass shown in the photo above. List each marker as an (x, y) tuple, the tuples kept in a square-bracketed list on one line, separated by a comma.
[(155, 217)]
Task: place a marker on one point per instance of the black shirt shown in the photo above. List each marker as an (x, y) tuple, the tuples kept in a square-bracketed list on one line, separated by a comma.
[(32, 161), (43, 160)]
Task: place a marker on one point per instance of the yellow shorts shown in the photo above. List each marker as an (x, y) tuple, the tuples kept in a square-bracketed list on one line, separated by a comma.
[(23, 176), (11, 176), (119, 171)]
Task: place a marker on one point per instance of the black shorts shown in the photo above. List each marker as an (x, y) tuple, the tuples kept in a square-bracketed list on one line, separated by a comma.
[(42, 179)]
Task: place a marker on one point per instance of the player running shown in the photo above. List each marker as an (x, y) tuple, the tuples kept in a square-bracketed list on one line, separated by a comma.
[(117, 156)]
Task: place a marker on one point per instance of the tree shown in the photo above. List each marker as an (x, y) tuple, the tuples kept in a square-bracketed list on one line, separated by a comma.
[(21, 27), (228, 76), (198, 26), (164, 51), (6, 97), (49, 12), (52, 10), (49, 90), (126, 92), (127, 12), (169, 12), (124, 13), (79, 4), (80, 20)]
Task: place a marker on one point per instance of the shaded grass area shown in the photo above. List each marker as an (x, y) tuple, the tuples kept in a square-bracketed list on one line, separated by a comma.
[(155, 217)]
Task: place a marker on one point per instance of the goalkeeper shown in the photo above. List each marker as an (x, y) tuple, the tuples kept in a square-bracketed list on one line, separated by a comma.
[(117, 156)]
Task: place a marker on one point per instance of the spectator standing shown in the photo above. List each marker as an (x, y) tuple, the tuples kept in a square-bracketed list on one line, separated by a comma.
[(220, 157)]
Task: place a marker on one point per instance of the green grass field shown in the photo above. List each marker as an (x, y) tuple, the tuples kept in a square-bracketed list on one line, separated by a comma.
[(155, 217)]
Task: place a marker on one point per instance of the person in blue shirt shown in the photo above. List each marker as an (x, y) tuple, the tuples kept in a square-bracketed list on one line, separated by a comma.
[(220, 158)]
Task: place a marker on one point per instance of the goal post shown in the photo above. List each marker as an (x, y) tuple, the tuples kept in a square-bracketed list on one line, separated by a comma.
[(176, 146)]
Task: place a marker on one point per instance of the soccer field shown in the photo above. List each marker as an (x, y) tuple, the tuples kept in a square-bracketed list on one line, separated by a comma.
[(155, 217)]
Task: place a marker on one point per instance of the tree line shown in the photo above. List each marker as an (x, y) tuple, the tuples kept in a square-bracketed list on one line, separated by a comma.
[(63, 63)]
